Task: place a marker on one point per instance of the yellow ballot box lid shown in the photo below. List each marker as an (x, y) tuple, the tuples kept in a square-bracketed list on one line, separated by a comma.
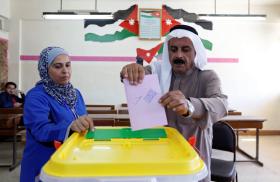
[(120, 152)]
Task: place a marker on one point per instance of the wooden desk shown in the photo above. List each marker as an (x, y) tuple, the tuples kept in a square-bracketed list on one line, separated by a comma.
[(124, 104), (246, 122), (109, 116), (234, 113), (236, 121), (107, 106), (110, 119), (14, 118), (98, 108)]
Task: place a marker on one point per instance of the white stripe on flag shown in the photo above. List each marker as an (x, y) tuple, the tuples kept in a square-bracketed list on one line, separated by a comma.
[(203, 33), (107, 29)]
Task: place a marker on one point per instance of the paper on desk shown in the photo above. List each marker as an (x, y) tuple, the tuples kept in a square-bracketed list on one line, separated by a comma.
[(143, 103)]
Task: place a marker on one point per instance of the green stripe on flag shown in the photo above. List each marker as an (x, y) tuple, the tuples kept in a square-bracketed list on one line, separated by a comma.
[(147, 16), (160, 50), (109, 37), (207, 44)]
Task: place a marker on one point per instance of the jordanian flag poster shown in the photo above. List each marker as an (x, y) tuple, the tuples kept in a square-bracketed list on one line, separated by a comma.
[(125, 25)]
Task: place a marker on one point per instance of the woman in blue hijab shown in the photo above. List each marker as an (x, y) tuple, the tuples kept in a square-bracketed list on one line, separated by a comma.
[(53, 108)]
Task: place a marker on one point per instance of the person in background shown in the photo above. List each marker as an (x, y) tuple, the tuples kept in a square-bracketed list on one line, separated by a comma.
[(52, 110), (192, 96), (10, 97)]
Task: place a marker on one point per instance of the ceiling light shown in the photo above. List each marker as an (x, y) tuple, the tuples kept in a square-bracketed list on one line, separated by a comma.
[(77, 14), (247, 16), (232, 16)]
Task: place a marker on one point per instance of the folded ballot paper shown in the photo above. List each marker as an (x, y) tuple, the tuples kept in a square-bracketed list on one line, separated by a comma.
[(144, 108)]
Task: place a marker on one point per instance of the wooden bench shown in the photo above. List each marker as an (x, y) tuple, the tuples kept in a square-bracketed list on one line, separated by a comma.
[(9, 120), (234, 113), (102, 111), (103, 121), (238, 123), (122, 111), (103, 106), (124, 105), (7, 123)]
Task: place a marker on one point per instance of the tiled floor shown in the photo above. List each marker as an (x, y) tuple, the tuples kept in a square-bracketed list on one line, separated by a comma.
[(247, 171), (269, 155), (6, 157)]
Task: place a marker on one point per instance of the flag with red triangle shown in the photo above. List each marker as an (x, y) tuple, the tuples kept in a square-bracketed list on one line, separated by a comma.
[(148, 55), (123, 28), (131, 23), (126, 24), (167, 22)]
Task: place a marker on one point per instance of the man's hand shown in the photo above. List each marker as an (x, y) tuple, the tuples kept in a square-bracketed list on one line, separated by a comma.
[(82, 124), (175, 100), (134, 73)]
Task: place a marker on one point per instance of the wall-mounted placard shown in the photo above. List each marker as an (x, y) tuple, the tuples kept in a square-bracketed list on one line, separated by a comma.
[(150, 24)]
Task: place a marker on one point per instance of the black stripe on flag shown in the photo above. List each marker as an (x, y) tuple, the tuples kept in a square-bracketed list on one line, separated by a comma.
[(188, 17), (121, 14)]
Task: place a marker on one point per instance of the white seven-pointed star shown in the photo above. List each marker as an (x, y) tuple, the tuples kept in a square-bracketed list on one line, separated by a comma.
[(148, 54), (168, 22), (131, 21)]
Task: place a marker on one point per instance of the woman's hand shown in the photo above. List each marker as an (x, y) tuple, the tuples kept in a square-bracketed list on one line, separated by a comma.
[(82, 124)]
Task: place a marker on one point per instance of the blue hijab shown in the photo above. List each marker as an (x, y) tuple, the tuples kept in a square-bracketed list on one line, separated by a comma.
[(64, 94)]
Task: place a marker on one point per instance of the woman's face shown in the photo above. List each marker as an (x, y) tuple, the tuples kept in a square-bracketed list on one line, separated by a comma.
[(60, 70)]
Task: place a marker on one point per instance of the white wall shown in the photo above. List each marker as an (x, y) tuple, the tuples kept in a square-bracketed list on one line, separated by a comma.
[(250, 84), (4, 12), (4, 35), (4, 15), (5, 8)]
